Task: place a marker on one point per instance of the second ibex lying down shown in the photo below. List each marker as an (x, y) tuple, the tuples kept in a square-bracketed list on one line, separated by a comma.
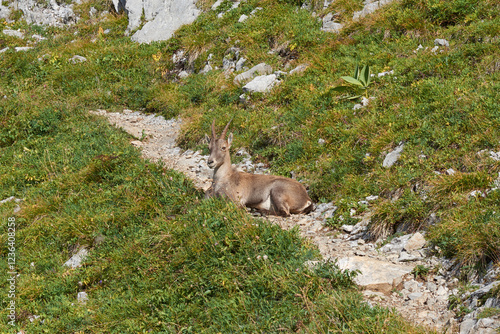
[(276, 195)]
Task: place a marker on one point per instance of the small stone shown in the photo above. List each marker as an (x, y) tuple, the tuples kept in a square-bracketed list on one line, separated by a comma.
[(240, 63), (255, 10), (243, 98), (206, 69), (383, 74), (77, 59), (76, 260), (8, 199), (466, 326), (475, 194), (261, 84), (260, 69), (22, 48), (299, 69), (441, 42), (431, 286), (417, 241), (183, 74), (411, 286), (82, 297), (393, 156), (242, 18), (415, 295), (321, 141), (442, 291), (13, 33), (330, 26), (38, 37), (405, 257)]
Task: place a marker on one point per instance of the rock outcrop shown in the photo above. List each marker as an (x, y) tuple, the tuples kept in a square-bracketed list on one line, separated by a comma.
[(40, 13), (162, 17)]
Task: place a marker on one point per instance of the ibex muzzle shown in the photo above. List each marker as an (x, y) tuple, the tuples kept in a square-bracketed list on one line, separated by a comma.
[(271, 194)]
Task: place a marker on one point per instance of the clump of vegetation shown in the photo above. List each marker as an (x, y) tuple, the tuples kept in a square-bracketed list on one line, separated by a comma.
[(420, 271), (359, 82)]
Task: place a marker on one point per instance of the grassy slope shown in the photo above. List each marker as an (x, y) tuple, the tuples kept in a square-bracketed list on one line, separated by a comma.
[(161, 259), (170, 261)]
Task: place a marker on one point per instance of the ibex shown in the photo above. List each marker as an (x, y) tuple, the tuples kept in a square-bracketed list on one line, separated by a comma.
[(276, 195)]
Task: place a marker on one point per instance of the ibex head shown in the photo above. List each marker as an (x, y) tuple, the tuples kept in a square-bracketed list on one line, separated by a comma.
[(219, 147)]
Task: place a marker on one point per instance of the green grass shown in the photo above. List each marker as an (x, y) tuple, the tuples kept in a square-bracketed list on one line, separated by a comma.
[(172, 262)]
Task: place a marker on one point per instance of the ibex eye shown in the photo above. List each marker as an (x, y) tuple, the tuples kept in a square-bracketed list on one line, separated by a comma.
[(223, 148)]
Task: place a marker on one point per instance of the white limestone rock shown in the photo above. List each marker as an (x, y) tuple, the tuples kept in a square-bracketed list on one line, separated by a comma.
[(4, 12), (392, 157), (370, 7), (299, 69), (77, 59), (375, 275), (82, 297), (22, 48), (329, 25), (163, 18), (260, 69), (417, 241), (76, 260), (14, 33), (36, 12), (441, 42), (261, 84)]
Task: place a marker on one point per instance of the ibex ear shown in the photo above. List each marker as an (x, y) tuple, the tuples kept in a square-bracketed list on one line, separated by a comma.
[(230, 139), (207, 139)]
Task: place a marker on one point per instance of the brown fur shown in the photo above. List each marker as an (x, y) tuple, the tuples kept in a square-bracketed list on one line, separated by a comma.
[(271, 194)]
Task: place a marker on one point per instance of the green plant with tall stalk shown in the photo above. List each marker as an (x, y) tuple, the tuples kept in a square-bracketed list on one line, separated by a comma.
[(358, 83)]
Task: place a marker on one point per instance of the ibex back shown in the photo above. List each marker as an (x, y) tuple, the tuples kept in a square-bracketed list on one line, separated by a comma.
[(271, 194)]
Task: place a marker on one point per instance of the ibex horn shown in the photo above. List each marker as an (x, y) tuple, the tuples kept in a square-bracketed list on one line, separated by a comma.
[(223, 135), (213, 130)]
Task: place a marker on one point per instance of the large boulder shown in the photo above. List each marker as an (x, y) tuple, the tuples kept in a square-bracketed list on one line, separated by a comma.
[(163, 17), (47, 13), (370, 7), (375, 275)]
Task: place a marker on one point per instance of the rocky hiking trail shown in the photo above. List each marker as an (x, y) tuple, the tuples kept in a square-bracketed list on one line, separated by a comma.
[(385, 272)]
